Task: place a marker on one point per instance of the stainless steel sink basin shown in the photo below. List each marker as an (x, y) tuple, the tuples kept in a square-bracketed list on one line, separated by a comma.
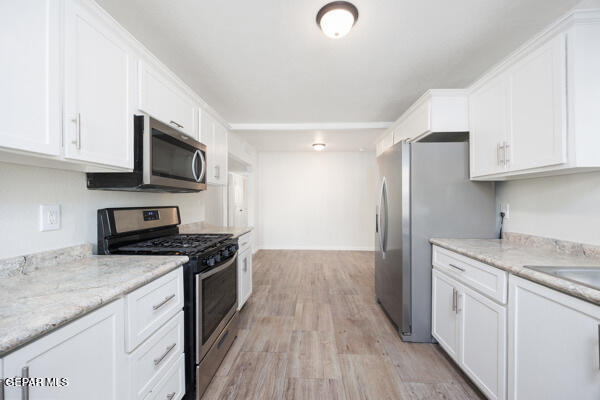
[(588, 276)]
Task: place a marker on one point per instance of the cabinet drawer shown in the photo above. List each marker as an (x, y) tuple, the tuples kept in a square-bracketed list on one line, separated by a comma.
[(149, 307), (245, 242), (487, 280), (151, 361), (172, 386)]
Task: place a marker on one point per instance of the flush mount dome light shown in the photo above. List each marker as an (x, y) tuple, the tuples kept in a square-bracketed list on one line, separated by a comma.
[(337, 18), (319, 146)]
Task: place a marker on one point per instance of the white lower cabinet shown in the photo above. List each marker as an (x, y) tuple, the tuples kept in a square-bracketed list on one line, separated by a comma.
[(88, 352), (444, 315), (483, 342), (244, 267), (472, 330), (553, 344)]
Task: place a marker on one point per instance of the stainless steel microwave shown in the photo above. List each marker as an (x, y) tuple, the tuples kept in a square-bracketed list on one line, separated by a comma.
[(165, 160)]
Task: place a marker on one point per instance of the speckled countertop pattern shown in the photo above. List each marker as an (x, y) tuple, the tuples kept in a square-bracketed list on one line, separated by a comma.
[(203, 227), (41, 292), (512, 254)]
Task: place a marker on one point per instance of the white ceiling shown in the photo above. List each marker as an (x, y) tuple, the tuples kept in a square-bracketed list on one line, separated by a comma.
[(266, 61), (302, 140)]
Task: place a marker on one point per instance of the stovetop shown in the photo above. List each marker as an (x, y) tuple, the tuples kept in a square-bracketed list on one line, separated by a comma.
[(184, 244)]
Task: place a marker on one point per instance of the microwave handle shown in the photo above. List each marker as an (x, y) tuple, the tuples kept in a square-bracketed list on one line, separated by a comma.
[(194, 160), (203, 165)]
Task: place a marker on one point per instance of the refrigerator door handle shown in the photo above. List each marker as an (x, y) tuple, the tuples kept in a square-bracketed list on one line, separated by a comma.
[(379, 226)]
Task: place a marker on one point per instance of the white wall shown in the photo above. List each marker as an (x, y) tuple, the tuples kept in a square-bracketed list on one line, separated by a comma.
[(561, 207), (24, 188), (316, 200)]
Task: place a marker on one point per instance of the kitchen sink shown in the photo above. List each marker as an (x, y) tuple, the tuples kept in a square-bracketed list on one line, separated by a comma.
[(588, 276)]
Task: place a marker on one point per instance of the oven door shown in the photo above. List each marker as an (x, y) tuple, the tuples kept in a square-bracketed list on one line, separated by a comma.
[(216, 302), (172, 159)]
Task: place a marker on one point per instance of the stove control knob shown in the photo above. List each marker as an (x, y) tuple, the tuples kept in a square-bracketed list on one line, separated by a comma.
[(217, 258), (225, 253), (210, 261), (233, 248)]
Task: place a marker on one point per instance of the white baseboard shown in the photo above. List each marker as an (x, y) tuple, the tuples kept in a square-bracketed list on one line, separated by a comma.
[(316, 247)]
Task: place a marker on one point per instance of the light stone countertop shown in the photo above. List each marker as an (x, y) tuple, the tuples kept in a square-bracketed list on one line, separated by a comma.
[(515, 251), (43, 291), (203, 227)]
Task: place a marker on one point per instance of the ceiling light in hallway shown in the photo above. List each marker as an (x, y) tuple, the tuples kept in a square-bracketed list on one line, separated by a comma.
[(319, 146)]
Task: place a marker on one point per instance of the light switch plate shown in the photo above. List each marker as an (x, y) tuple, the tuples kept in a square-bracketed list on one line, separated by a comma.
[(49, 217)]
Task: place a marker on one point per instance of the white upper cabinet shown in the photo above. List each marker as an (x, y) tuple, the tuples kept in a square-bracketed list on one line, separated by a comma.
[(214, 135), (539, 108), (162, 98), (99, 89), (30, 107), (438, 110), (489, 109), (536, 113)]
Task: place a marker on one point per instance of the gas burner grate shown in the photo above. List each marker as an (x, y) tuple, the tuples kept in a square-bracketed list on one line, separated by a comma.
[(186, 244)]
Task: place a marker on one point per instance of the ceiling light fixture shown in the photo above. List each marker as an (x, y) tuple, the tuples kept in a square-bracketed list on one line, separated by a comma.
[(337, 18), (319, 146)]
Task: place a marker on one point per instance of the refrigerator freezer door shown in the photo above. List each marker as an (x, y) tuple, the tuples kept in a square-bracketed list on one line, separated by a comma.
[(392, 258)]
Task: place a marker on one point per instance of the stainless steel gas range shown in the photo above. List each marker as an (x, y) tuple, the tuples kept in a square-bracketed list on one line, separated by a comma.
[(210, 280)]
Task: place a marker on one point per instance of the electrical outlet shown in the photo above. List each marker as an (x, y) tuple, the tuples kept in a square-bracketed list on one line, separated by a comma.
[(49, 217), (505, 208)]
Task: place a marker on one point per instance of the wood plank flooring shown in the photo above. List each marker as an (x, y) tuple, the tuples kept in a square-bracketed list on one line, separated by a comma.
[(312, 330)]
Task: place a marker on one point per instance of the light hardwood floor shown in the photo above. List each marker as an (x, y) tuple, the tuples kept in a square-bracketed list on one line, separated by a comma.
[(312, 330)]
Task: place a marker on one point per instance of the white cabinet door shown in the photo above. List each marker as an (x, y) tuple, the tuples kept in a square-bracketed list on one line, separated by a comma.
[(539, 108), (30, 108), (483, 342), (445, 326), (89, 352), (164, 100), (220, 144), (489, 125), (553, 344), (99, 79), (214, 136), (244, 277)]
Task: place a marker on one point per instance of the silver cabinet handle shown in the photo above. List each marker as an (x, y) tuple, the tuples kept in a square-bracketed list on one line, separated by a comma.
[(176, 124), (25, 388), (245, 264), (498, 159), (458, 298), (453, 299), (217, 171), (506, 154), (159, 359), (458, 268), (245, 243), (162, 303), (77, 141), (171, 395)]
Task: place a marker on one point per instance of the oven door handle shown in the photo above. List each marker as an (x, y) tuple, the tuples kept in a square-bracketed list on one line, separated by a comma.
[(218, 269)]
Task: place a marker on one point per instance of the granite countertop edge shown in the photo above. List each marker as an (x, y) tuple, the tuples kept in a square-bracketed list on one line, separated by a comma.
[(568, 287), (97, 297)]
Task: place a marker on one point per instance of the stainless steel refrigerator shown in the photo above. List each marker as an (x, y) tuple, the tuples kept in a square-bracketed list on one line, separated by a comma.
[(424, 192)]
